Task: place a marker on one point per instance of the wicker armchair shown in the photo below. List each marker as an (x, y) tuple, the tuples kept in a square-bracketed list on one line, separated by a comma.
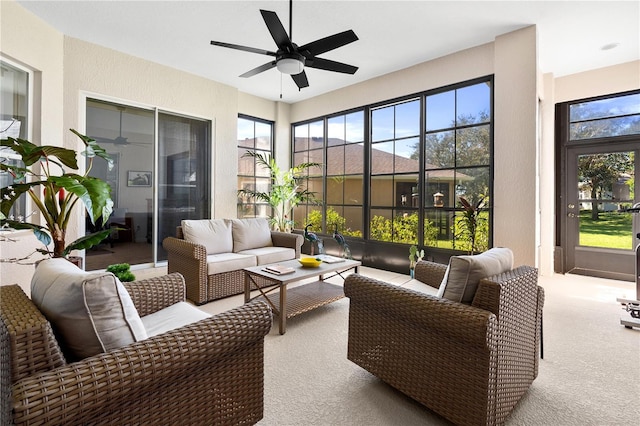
[(470, 364), (190, 260), (207, 373)]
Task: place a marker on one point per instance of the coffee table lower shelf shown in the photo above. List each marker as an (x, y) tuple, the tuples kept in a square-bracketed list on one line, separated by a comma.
[(305, 297)]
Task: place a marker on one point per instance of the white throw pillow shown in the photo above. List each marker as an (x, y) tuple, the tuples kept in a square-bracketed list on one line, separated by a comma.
[(250, 233), (213, 234), (90, 312), (463, 274)]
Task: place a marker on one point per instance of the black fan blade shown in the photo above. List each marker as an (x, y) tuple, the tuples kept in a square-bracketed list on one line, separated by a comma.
[(328, 43), (259, 69), (326, 64), (301, 80), (243, 48), (277, 30)]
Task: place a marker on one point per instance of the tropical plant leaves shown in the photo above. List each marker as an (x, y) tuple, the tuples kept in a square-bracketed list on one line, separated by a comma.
[(87, 241), (55, 207)]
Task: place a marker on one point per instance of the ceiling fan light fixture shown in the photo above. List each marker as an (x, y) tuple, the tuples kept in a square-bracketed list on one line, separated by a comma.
[(290, 64)]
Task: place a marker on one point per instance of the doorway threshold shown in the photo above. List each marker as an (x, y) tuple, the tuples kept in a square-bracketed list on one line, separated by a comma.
[(602, 274)]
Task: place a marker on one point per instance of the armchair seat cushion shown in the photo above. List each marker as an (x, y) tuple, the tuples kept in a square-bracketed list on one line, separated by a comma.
[(266, 255), (227, 262), (421, 287), (172, 317), (91, 313)]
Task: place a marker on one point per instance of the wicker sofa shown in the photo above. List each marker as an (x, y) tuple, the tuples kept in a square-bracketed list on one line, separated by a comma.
[(470, 363), (208, 373), (212, 255)]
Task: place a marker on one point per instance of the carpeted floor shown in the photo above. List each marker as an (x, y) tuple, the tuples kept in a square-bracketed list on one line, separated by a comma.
[(590, 374)]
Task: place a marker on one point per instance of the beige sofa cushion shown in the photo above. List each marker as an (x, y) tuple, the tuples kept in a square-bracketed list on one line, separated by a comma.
[(228, 262), (265, 255), (465, 272), (90, 312), (213, 234), (250, 233)]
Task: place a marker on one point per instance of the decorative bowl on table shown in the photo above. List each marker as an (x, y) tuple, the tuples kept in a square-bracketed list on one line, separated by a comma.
[(310, 262)]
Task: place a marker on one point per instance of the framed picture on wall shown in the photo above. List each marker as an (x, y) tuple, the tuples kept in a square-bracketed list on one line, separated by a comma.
[(138, 178)]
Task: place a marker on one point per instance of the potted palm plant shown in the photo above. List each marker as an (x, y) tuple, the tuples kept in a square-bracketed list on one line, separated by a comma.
[(286, 190), (49, 179)]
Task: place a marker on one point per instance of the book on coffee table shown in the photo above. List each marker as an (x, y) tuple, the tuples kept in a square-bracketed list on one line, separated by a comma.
[(279, 269), (329, 259)]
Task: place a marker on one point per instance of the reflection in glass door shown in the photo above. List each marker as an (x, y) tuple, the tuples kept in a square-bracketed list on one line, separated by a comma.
[(182, 178), (184, 173), (600, 230), (128, 135)]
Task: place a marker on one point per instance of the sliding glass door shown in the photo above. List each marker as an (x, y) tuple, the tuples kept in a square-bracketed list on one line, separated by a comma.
[(184, 173), (128, 135), (158, 178)]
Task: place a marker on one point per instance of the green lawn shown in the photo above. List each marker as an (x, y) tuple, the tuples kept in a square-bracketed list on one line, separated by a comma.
[(612, 230)]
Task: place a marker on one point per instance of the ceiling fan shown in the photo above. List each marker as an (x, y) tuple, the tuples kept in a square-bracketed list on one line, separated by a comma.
[(292, 59), (119, 140)]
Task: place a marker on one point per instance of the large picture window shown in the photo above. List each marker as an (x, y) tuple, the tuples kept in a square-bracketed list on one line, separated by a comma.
[(402, 171), (14, 122), (343, 173), (254, 135), (457, 165), (309, 147), (394, 159)]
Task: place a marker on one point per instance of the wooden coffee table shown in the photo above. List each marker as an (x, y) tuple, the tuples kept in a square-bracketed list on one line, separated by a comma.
[(299, 299)]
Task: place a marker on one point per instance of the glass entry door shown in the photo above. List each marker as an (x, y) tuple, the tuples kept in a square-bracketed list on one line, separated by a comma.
[(601, 235)]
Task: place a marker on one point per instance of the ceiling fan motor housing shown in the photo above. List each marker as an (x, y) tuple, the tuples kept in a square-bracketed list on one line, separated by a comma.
[(290, 63)]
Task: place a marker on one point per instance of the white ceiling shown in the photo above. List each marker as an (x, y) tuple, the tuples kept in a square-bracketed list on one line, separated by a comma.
[(393, 34)]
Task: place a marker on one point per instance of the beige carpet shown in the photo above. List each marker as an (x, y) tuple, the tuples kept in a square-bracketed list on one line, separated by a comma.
[(590, 374)]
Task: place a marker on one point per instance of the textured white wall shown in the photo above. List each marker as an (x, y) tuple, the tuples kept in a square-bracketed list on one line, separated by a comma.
[(602, 81), (459, 66), (515, 140), (28, 41)]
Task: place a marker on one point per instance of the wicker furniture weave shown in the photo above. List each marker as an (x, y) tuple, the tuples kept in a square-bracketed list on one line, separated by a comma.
[(470, 364), (190, 260), (206, 373)]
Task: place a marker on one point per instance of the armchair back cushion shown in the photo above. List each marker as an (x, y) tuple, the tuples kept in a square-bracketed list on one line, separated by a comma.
[(213, 234), (463, 274), (250, 234), (90, 312)]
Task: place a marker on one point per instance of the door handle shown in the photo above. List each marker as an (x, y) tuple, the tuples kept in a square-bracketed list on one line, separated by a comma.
[(571, 215)]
